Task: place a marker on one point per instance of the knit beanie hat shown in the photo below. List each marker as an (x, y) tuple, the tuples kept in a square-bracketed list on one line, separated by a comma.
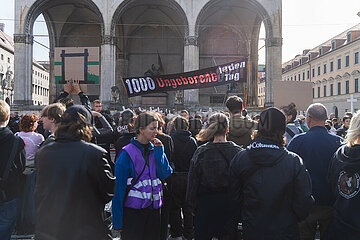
[(272, 119)]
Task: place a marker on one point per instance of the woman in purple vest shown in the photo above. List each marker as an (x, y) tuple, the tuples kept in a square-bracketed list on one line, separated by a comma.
[(138, 170)]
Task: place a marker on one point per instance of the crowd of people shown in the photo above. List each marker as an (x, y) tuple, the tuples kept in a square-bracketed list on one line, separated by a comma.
[(276, 175)]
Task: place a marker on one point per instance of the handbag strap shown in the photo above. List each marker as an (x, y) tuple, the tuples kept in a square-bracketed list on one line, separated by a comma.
[(10, 160), (127, 190)]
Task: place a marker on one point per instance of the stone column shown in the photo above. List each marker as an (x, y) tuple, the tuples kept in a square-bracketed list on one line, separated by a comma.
[(108, 63), (121, 71), (273, 68), (52, 85), (191, 62), (23, 69)]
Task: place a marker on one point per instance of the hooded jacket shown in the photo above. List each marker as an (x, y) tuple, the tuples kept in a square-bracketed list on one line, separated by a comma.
[(344, 179), (240, 130), (273, 190), (184, 148), (14, 183)]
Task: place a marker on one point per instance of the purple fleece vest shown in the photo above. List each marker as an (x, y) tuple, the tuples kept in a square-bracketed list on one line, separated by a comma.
[(148, 189)]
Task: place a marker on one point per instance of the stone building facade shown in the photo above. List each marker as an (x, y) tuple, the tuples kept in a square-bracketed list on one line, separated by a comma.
[(131, 34), (334, 70), (39, 77)]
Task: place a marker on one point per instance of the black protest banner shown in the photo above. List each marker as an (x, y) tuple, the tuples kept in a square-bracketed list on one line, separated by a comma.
[(203, 78)]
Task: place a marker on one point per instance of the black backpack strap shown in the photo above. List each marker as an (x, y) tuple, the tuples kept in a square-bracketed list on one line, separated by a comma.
[(10, 160), (127, 190), (291, 133)]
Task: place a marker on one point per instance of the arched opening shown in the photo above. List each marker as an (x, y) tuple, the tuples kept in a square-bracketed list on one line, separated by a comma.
[(70, 23), (335, 111), (229, 30), (150, 39)]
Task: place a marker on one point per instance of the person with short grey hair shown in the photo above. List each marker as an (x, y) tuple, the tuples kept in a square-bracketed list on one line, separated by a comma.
[(316, 148), (317, 112)]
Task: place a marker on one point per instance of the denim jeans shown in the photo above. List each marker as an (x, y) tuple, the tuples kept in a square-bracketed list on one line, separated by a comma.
[(8, 215)]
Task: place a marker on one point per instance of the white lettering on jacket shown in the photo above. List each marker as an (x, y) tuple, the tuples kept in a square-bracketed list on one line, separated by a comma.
[(256, 145)]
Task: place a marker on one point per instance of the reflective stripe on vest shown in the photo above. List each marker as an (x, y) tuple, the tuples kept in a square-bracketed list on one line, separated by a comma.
[(148, 189)]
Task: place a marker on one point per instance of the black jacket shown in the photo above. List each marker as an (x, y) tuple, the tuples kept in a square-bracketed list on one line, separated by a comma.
[(13, 186), (168, 145), (74, 182), (209, 170), (273, 189), (184, 148), (342, 131), (122, 141), (344, 178)]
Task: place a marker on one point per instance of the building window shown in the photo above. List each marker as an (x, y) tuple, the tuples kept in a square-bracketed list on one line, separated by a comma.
[(339, 88), (318, 71), (325, 91), (347, 60), (318, 92), (348, 37), (356, 58), (331, 89), (303, 76), (331, 66), (333, 46), (2, 56), (295, 77), (324, 68), (313, 93), (308, 74), (356, 87), (347, 87), (291, 78), (8, 60), (299, 77), (313, 72)]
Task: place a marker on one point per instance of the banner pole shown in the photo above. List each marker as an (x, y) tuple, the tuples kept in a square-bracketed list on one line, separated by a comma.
[(121, 79), (247, 82)]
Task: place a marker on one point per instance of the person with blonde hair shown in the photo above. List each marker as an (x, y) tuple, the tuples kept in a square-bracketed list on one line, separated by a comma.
[(344, 178), (12, 165), (208, 182)]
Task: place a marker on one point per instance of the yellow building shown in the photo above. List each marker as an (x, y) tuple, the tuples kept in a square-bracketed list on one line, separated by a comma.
[(333, 68)]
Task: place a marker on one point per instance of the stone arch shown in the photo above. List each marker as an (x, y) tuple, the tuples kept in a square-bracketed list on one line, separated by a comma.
[(335, 110), (154, 26), (247, 26), (125, 4), (39, 6), (260, 10)]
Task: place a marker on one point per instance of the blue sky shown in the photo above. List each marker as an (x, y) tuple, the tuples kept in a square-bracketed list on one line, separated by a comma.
[(306, 24)]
